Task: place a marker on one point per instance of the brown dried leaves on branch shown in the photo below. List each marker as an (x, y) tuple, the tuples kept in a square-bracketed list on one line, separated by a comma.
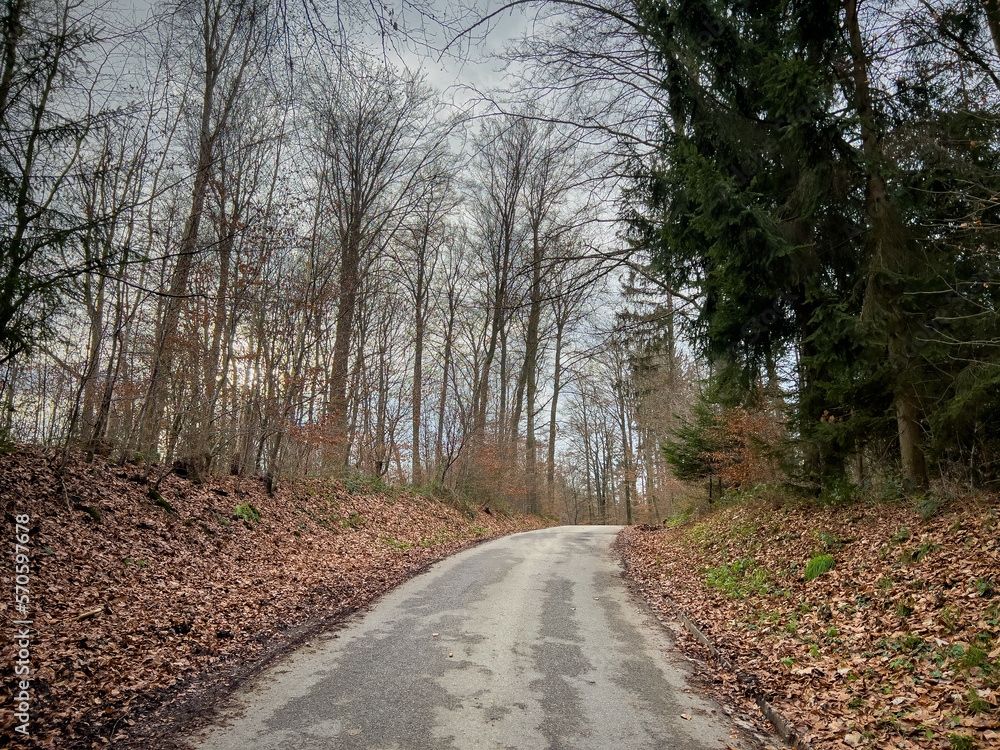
[(896, 646), (140, 598)]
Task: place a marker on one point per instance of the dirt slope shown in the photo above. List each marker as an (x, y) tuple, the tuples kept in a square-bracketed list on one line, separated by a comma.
[(896, 646), (146, 605)]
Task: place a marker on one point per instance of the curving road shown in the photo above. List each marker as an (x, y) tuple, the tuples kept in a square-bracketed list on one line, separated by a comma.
[(529, 642)]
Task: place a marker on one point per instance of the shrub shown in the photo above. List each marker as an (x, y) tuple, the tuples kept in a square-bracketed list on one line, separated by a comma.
[(837, 492)]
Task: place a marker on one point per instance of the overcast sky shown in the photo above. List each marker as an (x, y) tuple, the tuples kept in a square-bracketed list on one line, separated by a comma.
[(468, 61)]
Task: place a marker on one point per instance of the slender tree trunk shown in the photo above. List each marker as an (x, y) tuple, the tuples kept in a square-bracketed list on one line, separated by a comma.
[(221, 322), (588, 464), (346, 303), (8, 402), (628, 473), (162, 354), (504, 428), (95, 310), (449, 332), (513, 428), (648, 440), (481, 395), (381, 413), (13, 29), (531, 368), (550, 479), (419, 312)]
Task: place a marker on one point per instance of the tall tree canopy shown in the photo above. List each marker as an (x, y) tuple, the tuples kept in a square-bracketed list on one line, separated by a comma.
[(831, 198)]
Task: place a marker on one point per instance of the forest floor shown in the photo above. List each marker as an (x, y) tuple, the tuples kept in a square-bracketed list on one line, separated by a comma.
[(896, 646), (147, 605)]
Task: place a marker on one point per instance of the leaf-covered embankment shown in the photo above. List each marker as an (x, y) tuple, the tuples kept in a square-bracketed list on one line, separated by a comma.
[(147, 603), (896, 646)]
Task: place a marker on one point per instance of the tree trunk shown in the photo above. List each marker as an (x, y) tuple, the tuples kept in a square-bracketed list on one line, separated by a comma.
[(419, 310), (449, 332), (163, 352), (531, 368), (993, 21), (550, 479), (346, 304), (890, 257), (94, 300)]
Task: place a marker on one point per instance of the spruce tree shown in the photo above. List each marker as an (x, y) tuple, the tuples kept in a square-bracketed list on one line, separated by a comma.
[(815, 212)]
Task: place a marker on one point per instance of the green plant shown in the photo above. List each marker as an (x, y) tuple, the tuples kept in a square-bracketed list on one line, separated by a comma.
[(679, 518), (986, 587), (902, 535), (354, 521), (949, 617), (818, 565), (246, 512), (828, 540), (738, 579), (135, 563), (395, 543), (961, 742), (928, 507), (165, 504), (973, 657), (7, 444), (366, 485), (887, 489), (788, 661), (975, 703), (443, 536), (837, 492), (925, 549)]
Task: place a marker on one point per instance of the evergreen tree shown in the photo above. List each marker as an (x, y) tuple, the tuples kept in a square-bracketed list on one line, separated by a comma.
[(803, 206)]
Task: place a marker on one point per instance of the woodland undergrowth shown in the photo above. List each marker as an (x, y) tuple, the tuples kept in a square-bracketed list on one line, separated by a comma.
[(150, 602), (867, 624)]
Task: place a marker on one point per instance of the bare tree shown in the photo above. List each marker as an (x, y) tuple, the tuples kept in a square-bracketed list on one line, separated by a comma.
[(226, 43), (501, 169), (377, 136), (421, 244)]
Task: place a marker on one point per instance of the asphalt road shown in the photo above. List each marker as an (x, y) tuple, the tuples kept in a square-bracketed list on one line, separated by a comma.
[(527, 642)]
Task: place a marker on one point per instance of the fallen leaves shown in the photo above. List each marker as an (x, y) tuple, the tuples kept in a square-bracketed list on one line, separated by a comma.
[(141, 608), (896, 646)]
